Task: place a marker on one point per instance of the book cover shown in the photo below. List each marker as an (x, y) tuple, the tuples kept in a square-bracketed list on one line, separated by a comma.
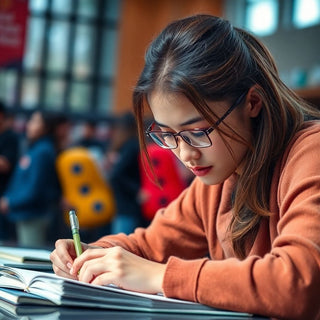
[(22, 298), (24, 255)]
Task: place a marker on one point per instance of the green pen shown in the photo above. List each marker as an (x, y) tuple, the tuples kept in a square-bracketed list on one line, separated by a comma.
[(74, 223)]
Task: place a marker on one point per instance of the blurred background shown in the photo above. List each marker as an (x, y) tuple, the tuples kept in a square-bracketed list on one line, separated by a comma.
[(84, 56), (81, 59)]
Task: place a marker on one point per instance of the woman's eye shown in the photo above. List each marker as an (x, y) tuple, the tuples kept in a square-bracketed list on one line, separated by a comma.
[(166, 135), (197, 134)]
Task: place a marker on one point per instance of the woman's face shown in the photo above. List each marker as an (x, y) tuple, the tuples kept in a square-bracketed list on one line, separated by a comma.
[(35, 127), (174, 112)]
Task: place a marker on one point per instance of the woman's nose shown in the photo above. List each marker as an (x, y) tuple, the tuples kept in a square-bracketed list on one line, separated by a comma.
[(186, 152)]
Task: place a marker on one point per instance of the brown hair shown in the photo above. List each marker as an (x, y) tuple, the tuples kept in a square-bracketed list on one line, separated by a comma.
[(205, 58)]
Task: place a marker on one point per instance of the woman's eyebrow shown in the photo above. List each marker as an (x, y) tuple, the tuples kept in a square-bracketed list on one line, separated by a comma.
[(191, 121)]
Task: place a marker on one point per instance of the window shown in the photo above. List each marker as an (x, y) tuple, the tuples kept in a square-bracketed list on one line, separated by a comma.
[(70, 57), (8, 85), (262, 16), (306, 13)]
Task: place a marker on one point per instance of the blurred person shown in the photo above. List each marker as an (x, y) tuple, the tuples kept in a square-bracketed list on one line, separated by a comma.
[(9, 151), (90, 141), (62, 139), (62, 130), (89, 135), (124, 174), (34, 189)]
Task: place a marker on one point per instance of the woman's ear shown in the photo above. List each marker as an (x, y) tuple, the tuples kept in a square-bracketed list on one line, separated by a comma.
[(253, 102)]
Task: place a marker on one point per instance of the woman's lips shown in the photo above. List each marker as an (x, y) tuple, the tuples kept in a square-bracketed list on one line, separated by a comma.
[(200, 171)]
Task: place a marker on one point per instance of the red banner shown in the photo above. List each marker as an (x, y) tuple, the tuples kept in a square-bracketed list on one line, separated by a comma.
[(13, 20)]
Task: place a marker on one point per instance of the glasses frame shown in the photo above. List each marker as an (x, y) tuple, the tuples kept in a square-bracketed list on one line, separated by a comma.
[(205, 131)]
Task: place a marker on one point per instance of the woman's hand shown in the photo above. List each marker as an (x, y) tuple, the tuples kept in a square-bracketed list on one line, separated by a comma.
[(119, 267), (63, 256)]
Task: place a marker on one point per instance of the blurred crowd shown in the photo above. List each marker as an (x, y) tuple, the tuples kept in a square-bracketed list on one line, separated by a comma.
[(50, 164)]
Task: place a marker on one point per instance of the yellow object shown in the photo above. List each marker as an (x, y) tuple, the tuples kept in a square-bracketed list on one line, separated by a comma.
[(84, 188)]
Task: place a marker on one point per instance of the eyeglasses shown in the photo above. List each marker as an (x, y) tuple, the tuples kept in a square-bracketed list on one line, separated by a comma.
[(198, 138)]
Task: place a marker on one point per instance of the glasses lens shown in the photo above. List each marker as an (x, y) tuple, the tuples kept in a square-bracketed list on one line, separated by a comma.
[(196, 138), (164, 139)]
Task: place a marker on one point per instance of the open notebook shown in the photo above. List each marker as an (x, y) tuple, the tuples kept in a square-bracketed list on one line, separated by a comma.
[(65, 292)]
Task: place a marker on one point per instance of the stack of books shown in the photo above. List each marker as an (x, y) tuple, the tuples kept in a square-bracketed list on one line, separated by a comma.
[(23, 287)]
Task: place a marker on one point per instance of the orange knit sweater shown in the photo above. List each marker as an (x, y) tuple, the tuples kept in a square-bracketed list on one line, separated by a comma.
[(281, 275)]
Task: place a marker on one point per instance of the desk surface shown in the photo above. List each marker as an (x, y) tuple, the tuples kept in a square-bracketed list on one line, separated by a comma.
[(53, 313)]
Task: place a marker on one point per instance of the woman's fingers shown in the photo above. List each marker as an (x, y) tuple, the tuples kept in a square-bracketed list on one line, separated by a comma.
[(122, 268), (103, 266), (89, 254), (63, 256), (60, 272)]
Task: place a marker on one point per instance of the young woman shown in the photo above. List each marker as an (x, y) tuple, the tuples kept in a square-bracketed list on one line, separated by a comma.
[(33, 192), (245, 236)]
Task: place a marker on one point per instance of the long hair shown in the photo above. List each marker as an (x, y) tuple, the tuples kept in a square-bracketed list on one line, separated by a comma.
[(205, 58)]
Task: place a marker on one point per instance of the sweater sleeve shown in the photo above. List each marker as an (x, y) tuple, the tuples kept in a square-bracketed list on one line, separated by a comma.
[(285, 282), (176, 230)]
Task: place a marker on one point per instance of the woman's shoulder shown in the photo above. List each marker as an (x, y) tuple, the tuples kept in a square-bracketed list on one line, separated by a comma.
[(299, 167), (308, 128), (303, 149), (308, 134)]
